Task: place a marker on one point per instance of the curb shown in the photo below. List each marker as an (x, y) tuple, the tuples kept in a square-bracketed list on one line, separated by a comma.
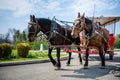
[(27, 62)]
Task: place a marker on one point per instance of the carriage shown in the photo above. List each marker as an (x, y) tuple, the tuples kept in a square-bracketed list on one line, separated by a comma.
[(60, 37)]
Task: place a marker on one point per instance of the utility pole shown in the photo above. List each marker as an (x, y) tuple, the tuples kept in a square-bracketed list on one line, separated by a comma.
[(93, 12)]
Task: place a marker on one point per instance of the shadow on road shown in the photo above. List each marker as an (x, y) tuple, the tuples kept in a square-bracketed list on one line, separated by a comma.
[(93, 72)]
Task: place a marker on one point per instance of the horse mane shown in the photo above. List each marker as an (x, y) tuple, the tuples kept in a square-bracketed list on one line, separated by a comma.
[(88, 21), (47, 21), (43, 21)]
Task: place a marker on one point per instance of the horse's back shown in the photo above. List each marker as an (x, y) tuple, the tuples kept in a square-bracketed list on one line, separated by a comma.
[(106, 34)]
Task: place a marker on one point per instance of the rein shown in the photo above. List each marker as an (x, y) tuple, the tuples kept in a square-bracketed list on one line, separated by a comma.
[(63, 22), (54, 31), (36, 28), (94, 32)]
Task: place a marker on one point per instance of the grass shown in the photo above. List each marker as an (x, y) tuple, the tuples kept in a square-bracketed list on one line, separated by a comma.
[(31, 56), (116, 49)]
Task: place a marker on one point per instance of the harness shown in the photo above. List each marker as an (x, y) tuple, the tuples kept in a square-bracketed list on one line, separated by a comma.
[(54, 32), (94, 32), (35, 28)]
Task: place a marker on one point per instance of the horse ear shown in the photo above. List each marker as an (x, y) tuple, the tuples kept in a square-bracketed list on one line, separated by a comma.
[(31, 18), (83, 16), (34, 18), (78, 14)]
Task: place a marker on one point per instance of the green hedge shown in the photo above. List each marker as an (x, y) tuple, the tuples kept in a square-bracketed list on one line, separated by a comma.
[(5, 50), (14, 54), (1, 50), (36, 45), (23, 49), (32, 55)]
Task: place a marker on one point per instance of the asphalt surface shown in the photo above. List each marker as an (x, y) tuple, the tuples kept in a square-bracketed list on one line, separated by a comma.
[(45, 71)]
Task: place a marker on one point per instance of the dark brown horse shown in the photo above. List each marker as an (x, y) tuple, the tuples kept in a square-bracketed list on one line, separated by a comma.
[(55, 34), (95, 36)]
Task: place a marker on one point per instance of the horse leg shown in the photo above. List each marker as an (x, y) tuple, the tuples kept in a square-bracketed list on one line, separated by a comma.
[(69, 59), (105, 47), (58, 64), (102, 56), (50, 56), (111, 53), (79, 55), (86, 60)]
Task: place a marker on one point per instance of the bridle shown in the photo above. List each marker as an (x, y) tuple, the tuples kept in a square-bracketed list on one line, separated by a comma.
[(77, 27), (36, 28)]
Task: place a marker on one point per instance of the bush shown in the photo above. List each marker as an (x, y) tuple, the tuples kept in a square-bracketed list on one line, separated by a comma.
[(43, 54), (36, 45), (23, 49), (117, 45), (1, 50), (117, 41), (32, 55), (14, 54), (7, 50)]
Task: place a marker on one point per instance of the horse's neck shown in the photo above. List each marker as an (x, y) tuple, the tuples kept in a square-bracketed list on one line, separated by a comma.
[(46, 30), (67, 35), (88, 29)]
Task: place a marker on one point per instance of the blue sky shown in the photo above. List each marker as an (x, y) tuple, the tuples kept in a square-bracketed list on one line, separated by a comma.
[(15, 13)]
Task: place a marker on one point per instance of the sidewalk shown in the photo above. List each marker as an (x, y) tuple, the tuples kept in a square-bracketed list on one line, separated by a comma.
[(27, 62)]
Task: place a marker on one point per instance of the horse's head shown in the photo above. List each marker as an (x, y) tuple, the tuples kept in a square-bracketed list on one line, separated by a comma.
[(78, 25), (33, 28)]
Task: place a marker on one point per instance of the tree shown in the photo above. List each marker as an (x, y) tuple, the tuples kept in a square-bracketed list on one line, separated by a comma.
[(117, 41), (17, 36), (24, 36), (5, 38)]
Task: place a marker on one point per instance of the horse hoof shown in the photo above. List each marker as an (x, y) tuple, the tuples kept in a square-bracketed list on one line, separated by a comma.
[(103, 67), (80, 63), (67, 64), (85, 67), (57, 68)]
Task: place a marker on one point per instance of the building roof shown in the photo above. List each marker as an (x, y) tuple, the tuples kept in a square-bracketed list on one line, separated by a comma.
[(104, 21)]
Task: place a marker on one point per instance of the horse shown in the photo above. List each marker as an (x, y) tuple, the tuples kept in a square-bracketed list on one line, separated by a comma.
[(94, 35), (55, 35)]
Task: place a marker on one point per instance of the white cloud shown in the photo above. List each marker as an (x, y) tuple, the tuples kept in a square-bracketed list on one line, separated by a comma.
[(19, 7), (88, 6), (52, 5), (55, 7)]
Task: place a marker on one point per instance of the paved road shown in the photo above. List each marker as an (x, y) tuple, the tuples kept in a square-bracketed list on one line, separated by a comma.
[(45, 71)]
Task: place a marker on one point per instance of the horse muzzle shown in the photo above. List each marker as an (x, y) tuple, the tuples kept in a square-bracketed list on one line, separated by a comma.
[(31, 38), (74, 35)]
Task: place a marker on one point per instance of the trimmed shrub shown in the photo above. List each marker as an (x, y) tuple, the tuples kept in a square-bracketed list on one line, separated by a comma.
[(32, 55), (36, 45), (23, 49), (14, 54), (7, 50), (43, 54), (1, 50)]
